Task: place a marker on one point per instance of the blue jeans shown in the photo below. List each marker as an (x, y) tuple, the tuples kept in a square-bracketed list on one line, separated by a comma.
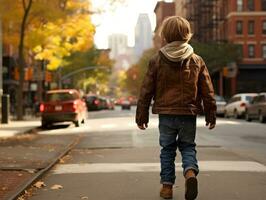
[(177, 131)]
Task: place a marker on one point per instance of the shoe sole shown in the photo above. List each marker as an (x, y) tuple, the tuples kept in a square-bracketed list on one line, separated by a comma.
[(191, 188), (166, 197)]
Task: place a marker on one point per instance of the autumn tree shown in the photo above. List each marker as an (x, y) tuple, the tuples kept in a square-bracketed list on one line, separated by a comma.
[(217, 55), (94, 79), (136, 72), (50, 29)]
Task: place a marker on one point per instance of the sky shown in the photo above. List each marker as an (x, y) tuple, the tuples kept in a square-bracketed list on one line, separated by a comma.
[(121, 20)]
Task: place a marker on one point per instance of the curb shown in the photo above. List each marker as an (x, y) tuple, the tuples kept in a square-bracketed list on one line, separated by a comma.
[(20, 191)]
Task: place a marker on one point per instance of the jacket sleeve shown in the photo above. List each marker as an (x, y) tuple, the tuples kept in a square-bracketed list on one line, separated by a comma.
[(147, 92), (207, 94)]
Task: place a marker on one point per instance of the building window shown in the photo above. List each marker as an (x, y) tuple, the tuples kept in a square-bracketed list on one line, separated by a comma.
[(239, 5), (240, 50), (251, 27), (264, 51), (251, 50), (251, 5), (263, 5), (264, 27), (239, 27)]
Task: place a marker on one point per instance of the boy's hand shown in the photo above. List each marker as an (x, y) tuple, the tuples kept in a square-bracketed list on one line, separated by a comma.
[(210, 125), (143, 126)]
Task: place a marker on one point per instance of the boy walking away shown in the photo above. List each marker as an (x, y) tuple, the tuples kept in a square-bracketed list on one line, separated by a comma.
[(178, 81)]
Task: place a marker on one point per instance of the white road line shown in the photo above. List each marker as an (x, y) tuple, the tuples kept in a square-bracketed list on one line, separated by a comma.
[(221, 166), (107, 126)]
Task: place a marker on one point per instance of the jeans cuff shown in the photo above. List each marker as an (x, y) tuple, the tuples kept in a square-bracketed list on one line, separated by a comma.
[(167, 182), (196, 170)]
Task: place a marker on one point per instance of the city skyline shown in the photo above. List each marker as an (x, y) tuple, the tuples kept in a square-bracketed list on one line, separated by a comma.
[(125, 18)]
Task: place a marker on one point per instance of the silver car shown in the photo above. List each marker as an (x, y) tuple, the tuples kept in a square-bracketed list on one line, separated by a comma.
[(257, 108), (220, 103), (237, 105)]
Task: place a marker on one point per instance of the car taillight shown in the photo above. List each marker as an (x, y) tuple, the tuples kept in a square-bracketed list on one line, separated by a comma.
[(96, 102), (75, 106), (242, 105), (42, 107)]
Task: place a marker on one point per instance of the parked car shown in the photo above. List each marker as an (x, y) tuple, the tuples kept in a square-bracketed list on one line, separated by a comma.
[(93, 102), (103, 103), (61, 106), (125, 105), (236, 106), (257, 108), (110, 104), (220, 103)]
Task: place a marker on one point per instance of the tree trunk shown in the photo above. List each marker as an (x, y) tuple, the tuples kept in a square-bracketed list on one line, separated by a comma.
[(21, 60)]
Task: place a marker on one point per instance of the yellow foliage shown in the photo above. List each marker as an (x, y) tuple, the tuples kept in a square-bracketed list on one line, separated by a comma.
[(53, 30), (62, 38)]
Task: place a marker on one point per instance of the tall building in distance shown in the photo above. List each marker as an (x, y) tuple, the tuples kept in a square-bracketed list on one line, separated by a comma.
[(143, 34), (118, 44)]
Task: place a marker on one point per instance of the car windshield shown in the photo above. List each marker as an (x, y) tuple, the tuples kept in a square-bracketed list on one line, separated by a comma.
[(249, 98), (219, 98), (90, 99), (63, 96)]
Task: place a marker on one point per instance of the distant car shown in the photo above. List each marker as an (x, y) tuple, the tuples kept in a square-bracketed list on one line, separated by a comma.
[(103, 103), (220, 103), (237, 105), (93, 102), (61, 106), (257, 108), (110, 104), (125, 105)]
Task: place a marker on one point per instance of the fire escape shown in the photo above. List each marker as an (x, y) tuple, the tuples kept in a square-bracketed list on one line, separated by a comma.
[(207, 17)]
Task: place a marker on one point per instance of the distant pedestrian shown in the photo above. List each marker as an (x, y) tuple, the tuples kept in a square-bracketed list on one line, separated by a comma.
[(178, 81)]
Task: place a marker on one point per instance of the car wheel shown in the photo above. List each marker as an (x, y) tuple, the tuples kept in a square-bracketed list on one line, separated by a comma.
[(226, 114), (248, 119), (45, 124), (262, 118), (235, 114), (77, 123)]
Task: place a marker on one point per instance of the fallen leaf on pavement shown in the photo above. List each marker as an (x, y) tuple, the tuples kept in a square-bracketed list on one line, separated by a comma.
[(57, 187), (39, 184)]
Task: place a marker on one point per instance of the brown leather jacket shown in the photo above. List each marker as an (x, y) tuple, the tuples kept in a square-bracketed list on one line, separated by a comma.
[(177, 88)]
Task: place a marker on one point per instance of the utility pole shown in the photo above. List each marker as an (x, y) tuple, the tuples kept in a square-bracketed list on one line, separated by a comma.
[(1, 59), (1, 68)]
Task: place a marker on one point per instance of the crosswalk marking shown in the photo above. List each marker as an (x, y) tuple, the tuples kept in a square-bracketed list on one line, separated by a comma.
[(226, 166)]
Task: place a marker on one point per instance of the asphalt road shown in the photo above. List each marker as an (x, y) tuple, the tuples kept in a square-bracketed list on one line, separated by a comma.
[(115, 160)]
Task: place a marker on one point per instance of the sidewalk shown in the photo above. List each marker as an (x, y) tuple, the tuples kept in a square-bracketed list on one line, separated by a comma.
[(18, 127), (25, 158)]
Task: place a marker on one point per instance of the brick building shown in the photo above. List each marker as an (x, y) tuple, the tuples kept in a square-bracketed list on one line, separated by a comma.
[(242, 22), (162, 10)]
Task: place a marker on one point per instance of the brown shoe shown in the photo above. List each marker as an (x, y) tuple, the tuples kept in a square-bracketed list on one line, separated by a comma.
[(166, 191), (191, 187)]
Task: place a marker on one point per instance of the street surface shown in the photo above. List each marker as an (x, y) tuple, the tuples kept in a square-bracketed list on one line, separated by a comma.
[(114, 160)]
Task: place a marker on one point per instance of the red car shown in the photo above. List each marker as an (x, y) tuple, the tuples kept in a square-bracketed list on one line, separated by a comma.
[(61, 106)]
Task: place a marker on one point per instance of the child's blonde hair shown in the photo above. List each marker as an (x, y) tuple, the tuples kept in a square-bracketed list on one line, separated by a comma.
[(176, 28)]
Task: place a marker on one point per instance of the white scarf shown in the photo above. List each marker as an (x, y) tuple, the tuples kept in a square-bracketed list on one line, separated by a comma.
[(177, 51)]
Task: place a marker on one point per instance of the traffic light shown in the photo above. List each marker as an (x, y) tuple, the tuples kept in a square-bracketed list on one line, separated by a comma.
[(28, 74), (48, 76), (16, 73)]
